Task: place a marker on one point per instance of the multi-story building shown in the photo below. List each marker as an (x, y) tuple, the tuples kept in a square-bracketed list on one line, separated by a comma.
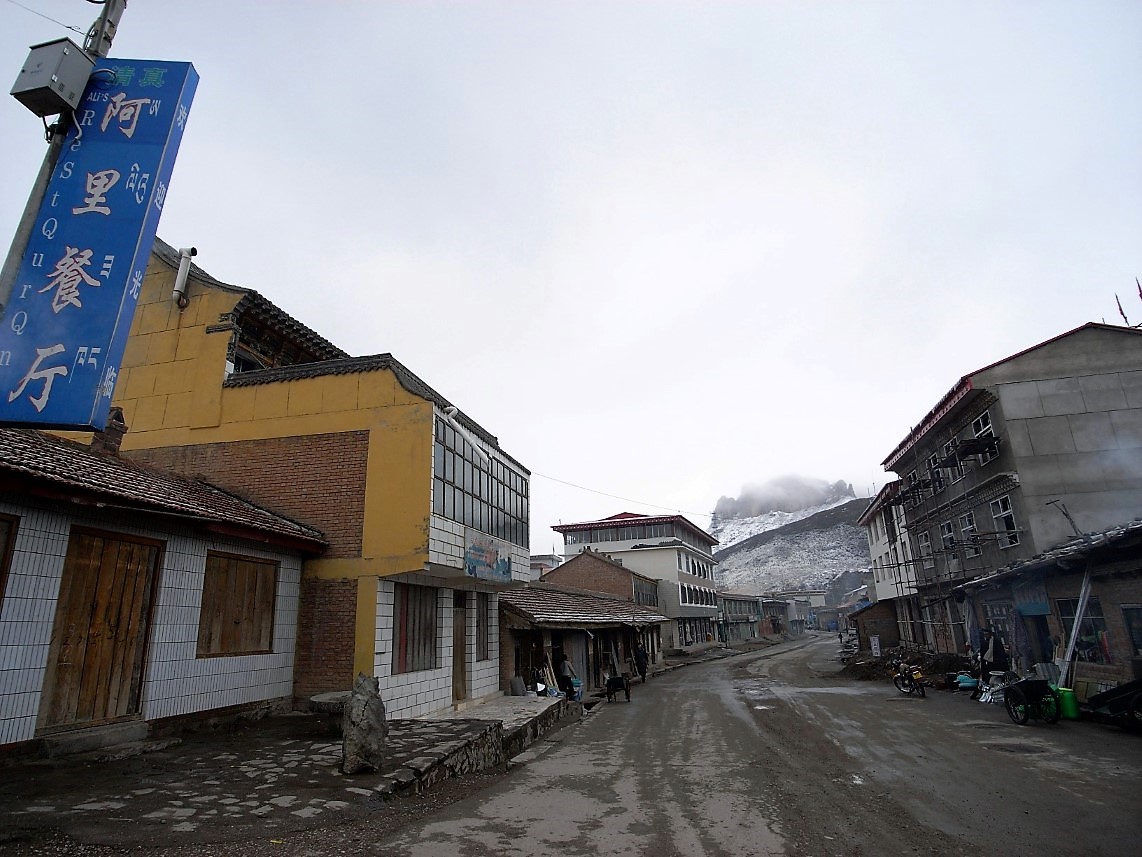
[(671, 550), (893, 573), (739, 616), (425, 516), (1015, 459)]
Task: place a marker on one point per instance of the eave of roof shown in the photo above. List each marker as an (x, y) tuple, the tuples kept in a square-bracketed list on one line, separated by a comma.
[(877, 503), (62, 468), (633, 518)]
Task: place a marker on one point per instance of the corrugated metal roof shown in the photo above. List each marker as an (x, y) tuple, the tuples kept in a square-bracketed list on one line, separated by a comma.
[(543, 604), (74, 467)]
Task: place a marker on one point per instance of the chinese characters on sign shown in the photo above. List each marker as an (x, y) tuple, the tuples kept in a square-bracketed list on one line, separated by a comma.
[(66, 325)]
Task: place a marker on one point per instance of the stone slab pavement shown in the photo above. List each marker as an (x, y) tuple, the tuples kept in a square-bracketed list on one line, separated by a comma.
[(257, 778)]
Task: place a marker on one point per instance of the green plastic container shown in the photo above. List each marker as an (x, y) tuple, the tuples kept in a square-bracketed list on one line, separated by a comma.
[(1068, 705)]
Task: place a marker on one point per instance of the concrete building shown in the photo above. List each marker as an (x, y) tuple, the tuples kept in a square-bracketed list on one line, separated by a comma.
[(671, 550), (894, 574), (739, 616), (426, 516), (543, 563), (1014, 460)]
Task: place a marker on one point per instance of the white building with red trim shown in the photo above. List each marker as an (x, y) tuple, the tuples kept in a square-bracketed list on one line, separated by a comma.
[(672, 550)]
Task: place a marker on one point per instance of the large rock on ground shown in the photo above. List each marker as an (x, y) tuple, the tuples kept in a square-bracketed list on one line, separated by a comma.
[(363, 727)]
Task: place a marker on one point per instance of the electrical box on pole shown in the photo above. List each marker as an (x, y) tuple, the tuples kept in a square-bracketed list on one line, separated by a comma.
[(53, 77)]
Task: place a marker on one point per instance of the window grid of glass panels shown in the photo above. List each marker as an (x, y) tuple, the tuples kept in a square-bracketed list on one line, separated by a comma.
[(491, 498)]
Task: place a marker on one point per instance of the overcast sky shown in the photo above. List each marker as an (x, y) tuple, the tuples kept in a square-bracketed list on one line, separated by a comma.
[(660, 250)]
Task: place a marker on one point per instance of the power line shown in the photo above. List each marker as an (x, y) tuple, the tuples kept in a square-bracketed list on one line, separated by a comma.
[(48, 18), (617, 497)]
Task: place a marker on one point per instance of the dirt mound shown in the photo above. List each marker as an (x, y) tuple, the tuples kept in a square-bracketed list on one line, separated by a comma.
[(865, 667)]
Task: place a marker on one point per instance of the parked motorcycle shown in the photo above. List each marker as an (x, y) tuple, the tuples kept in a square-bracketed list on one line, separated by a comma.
[(908, 678)]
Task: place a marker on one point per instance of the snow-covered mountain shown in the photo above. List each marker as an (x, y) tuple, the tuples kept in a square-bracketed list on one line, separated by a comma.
[(805, 549), (734, 530)]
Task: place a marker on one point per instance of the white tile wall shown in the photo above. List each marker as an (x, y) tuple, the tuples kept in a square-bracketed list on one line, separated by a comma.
[(175, 682), (415, 694)]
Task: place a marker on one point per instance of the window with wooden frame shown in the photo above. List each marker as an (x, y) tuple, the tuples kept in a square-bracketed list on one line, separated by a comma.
[(7, 540), (414, 648), (483, 648), (238, 597)]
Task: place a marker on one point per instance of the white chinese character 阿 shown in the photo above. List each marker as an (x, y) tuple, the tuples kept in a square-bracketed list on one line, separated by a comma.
[(97, 186), (126, 110), (48, 376), (67, 277)]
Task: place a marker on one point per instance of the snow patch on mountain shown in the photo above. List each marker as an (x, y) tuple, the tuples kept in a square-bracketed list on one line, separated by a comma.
[(734, 530)]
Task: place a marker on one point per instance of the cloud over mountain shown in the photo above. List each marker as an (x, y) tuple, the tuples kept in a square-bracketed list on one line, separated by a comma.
[(783, 494)]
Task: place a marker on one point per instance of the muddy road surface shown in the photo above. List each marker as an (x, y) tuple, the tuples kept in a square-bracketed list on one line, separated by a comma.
[(776, 753)]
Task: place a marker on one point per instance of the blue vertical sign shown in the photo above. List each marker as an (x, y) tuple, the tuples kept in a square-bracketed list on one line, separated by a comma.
[(65, 329)]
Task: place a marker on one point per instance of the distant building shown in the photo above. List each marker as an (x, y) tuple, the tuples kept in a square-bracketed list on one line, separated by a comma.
[(739, 616), (596, 572), (671, 550), (894, 574), (543, 563)]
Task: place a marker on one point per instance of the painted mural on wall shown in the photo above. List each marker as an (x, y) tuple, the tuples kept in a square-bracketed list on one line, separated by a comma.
[(487, 558)]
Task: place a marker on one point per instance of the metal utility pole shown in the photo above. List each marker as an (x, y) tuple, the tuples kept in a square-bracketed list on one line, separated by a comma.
[(96, 45)]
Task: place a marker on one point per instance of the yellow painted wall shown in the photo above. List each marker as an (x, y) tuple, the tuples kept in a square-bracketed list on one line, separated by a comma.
[(172, 395)]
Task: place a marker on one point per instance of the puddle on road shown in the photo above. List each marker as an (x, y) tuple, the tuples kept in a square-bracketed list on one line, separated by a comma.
[(763, 708)]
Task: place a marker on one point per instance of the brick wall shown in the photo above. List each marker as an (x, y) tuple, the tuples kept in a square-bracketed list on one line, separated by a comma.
[(878, 620), (1113, 593), (326, 620), (318, 480), (593, 573)]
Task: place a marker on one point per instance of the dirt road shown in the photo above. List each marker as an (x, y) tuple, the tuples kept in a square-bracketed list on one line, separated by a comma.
[(775, 753), (767, 753)]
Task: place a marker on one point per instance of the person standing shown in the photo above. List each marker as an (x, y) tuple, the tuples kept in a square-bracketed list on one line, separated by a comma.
[(640, 660), (566, 673)]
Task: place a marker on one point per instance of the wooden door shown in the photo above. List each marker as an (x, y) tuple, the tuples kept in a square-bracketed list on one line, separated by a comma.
[(459, 647), (95, 661)]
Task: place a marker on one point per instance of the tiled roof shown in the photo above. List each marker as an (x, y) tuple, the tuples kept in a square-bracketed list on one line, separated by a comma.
[(544, 604), (93, 477)]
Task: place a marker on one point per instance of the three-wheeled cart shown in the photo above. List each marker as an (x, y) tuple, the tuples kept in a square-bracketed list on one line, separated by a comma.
[(1122, 704), (1032, 698), (617, 684)]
